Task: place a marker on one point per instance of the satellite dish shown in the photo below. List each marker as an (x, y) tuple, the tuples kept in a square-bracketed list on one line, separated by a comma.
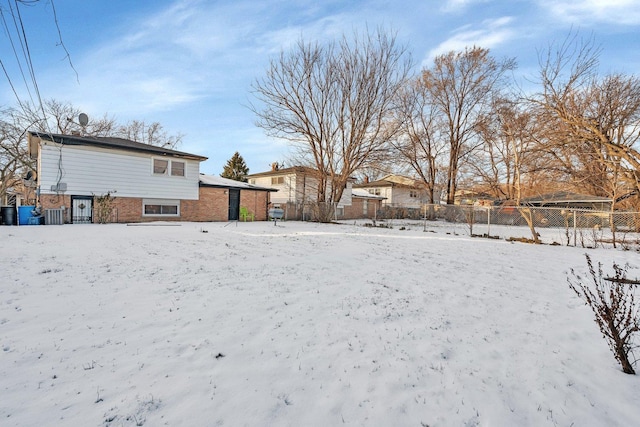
[(83, 119)]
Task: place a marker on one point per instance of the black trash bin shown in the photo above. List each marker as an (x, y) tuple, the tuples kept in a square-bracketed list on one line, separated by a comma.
[(8, 215)]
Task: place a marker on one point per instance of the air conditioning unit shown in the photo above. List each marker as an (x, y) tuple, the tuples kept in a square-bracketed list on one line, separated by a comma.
[(60, 187), (54, 216)]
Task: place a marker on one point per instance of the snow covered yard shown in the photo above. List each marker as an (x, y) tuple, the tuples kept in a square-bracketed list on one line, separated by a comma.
[(299, 324)]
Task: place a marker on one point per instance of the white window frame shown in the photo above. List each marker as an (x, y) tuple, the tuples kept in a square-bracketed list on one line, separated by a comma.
[(169, 170), (153, 166), (160, 202), (413, 194), (184, 168), (277, 180)]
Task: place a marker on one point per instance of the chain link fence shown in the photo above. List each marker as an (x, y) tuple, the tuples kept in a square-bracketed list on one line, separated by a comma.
[(560, 226), (557, 226)]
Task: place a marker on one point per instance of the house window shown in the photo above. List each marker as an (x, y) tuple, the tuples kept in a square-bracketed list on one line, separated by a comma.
[(374, 191), (177, 168), (169, 167), (252, 181), (160, 167), (154, 207), (277, 180), (413, 193)]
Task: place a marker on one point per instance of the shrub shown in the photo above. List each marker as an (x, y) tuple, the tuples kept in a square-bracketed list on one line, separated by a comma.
[(612, 300), (104, 207)]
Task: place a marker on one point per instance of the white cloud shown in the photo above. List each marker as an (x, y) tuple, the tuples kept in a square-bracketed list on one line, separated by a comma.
[(164, 61), (623, 12), (492, 33), (190, 50), (460, 5)]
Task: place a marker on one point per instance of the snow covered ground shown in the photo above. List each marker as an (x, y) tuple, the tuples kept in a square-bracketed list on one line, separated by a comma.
[(299, 324)]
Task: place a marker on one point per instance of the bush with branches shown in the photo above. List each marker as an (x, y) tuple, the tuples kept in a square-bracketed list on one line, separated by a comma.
[(612, 300), (104, 207)]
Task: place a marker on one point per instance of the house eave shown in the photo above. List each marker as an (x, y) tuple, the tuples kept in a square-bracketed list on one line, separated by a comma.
[(248, 187), (117, 144)]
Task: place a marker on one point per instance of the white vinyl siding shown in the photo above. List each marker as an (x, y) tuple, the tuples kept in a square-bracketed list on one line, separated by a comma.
[(286, 189), (93, 171), (405, 197), (298, 188)]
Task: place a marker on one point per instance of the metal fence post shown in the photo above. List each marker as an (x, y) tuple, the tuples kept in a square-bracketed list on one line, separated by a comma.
[(488, 221), (575, 229)]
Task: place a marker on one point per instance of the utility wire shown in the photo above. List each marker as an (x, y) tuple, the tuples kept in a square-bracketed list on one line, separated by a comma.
[(15, 53)]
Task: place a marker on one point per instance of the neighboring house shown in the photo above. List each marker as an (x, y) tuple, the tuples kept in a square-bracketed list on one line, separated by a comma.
[(568, 200), (149, 183), (473, 197), (363, 205), (398, 191), (297, 190)]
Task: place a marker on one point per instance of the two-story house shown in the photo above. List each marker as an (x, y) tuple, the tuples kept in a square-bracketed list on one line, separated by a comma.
[(399, 191), (297, 190), (149, 183)]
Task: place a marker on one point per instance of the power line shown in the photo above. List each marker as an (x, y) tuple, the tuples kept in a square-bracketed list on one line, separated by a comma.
[(23, 55)]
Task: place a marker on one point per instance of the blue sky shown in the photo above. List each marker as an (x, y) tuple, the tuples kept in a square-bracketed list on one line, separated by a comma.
[(189, 64)]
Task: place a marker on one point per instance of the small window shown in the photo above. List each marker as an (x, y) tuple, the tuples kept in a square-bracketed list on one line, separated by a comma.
[(168, 210), (413, 193), (152, 209), (177, 168), (374, 191), (160, 167), (277, 180), (161, 207), (252, 181)]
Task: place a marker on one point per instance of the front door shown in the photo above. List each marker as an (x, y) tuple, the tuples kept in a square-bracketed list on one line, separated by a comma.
[(234, 204), (81, 209)]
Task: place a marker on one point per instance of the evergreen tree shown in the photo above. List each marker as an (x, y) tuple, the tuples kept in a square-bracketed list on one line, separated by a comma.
[(235, 168)]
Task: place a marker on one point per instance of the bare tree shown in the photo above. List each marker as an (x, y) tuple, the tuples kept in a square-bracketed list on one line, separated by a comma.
[(595, 120), (62, 118), (420, 143), (14, 161), (152, 134), (461, 85), (332, 102)]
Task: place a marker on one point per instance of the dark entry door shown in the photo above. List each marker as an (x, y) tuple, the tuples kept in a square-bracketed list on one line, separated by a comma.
[(234, 205), (81, 209)]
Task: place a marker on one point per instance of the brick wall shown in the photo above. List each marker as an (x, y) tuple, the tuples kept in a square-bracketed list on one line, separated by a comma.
[(128, 209), (356, 210), (256, 202), (52, 201), (213, 205)]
